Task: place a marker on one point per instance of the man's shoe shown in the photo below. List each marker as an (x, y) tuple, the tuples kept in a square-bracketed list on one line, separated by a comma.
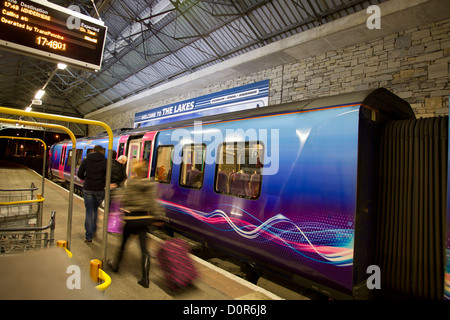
[(111, 265)]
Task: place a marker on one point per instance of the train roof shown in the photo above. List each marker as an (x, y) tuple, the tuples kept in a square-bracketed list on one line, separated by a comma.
[(379, 99)]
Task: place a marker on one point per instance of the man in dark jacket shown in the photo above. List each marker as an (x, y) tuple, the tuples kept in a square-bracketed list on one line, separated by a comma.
[(93, 171)]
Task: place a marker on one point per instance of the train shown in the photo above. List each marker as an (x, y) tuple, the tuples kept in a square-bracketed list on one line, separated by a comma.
[(294, 189)]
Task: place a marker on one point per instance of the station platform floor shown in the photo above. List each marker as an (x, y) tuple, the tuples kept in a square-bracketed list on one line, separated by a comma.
[(36, 271)]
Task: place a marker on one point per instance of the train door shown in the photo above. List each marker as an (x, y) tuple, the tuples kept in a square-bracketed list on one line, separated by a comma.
[(141, 149), (134, 153), (62, 161), (122, 145)]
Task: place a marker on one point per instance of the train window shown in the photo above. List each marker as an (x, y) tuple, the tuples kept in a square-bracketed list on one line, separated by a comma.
[(63, 156), (164, 164), (147, 151), (192, 166), (69, 158), (238, 169), (79, 157)]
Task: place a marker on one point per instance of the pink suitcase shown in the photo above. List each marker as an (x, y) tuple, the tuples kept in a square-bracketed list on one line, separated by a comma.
[(178, 267)]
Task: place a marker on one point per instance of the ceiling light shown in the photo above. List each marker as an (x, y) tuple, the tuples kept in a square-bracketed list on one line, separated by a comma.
[(28, 109), (62, 66), (39, 94)]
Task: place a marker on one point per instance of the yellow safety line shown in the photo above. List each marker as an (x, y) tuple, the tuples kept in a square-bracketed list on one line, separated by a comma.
[(68, 253)]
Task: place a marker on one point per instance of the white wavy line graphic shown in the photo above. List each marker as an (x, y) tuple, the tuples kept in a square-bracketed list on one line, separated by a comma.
[(343, 258)]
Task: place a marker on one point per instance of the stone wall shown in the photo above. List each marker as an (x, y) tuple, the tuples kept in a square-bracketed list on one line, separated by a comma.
[(414, 64)]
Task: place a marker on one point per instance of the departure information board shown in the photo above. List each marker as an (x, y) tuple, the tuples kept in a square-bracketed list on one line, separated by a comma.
[(52, 32)]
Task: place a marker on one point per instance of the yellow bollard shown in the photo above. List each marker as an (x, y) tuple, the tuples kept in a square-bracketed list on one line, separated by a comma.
[(63, 244), (98, 275), (95, 265)]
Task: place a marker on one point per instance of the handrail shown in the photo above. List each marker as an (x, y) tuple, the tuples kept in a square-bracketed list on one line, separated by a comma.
[(108, 166), (25, 138), (41, 199), (59, 118), (43, 166), (23, 189), (73, 138), (50, 225)]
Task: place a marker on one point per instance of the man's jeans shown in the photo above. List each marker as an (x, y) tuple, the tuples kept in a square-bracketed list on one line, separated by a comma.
[(92, 200)]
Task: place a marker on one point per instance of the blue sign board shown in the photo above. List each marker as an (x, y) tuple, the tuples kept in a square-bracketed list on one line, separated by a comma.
[(249, 96), (447, 251)]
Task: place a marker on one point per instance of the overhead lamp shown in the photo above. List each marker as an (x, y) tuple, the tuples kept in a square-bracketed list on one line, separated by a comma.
[(28, 109), (62, 66), (39, 94)]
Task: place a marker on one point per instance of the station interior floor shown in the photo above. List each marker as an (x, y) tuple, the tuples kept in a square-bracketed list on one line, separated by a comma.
[(44, 274)]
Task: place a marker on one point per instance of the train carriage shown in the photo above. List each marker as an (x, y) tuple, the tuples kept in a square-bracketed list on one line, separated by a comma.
[(301, 215)]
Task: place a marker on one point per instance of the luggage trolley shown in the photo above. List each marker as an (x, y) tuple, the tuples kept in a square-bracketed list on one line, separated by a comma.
[(17, 208), (22, 239)]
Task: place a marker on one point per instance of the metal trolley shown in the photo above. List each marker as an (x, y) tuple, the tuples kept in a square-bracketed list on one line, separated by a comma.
[(20, 207)]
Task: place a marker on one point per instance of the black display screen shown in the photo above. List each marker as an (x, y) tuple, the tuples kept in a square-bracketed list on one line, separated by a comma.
[(52, 32)]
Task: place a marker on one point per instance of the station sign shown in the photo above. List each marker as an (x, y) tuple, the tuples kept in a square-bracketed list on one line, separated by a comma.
[(45, 30), (254, 95)]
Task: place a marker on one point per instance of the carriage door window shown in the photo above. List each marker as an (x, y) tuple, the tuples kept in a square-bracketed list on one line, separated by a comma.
[(192, 166), (147, 151), (69, 159), (63, 156), (121, 149), (79, 157), (164, 164), (238, 169), (134, 154)]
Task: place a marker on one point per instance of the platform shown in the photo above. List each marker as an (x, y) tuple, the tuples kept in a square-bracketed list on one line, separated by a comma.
[(213, 283)]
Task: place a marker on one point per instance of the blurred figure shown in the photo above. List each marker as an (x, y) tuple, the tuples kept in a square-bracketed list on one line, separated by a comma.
[(118, 177), (118, 174), (122, 159), (93, 171), (140, 209)]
